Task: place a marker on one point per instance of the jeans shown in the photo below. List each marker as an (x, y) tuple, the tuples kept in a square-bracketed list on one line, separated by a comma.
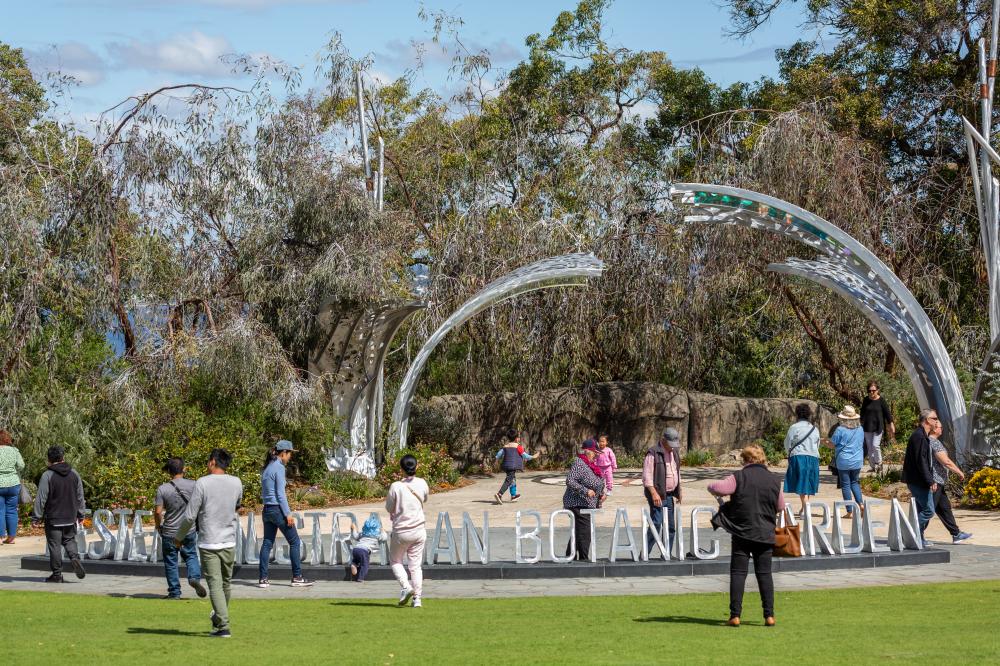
[(274, 521), (850, 485), (942, 507), (509, 482), (218, 568), (170, 566), (924, 497), (739, 564), (8, 510), (360, 557), (656, 516), (57, 538)]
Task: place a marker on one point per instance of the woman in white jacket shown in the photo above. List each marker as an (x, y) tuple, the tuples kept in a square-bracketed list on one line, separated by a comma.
[(405, 504)]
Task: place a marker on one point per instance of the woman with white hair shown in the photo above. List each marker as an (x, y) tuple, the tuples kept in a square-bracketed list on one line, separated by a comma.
[(848, 442)]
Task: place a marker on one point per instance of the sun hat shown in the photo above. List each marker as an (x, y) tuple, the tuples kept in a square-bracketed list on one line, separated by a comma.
[(848, 414)]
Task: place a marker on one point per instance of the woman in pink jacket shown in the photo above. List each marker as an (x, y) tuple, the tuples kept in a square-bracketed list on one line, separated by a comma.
[(606, 462)]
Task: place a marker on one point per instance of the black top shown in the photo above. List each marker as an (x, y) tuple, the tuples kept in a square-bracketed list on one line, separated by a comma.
[(751, 512), (875, 415), (918, 464)]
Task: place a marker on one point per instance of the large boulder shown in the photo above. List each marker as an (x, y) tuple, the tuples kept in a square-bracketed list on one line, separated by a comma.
[(633, 414)]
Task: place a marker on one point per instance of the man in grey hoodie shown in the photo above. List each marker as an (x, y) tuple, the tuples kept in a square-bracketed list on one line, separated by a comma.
[(60, 505), (212, 508)]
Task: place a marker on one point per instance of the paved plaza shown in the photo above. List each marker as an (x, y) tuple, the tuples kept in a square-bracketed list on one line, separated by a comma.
[(974, 560)]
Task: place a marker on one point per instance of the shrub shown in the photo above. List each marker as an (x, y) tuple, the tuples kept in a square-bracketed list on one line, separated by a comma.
[(983, 488), (698, 458), (629, 459), (874, 483), (351, 486), (433, 465), (773, 441)]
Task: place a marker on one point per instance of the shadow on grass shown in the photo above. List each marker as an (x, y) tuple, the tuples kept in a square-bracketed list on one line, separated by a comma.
[(140, 595), (375, 604), (165, 632), (682, 619)]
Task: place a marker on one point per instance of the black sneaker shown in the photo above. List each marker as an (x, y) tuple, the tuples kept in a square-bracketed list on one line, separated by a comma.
[(215, 619), (198, 586), (299, 581), (221, 633), (514, 498), (78, 568), (55, 578), (263, 583), (172, 596)]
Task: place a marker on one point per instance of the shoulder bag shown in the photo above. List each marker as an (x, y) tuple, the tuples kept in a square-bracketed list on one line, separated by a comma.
[(801, 441), (787, 541)]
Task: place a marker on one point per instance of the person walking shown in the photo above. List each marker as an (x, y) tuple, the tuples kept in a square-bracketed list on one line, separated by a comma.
[(848, 443), (918, 468), (661, 482), (171, 502), (212, 511), (802, 447), (942, 505), (584, 490), (277, 515), (876, 420), (60, 505), (11, 468), (405, 504), (512, 457), (750, 516)]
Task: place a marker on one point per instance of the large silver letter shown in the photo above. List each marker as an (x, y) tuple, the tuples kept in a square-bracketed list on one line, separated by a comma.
[(648, 528), (904, 533), (450, 548), (631, 548), (838, 529), (124, 542), (815, 534), (695, 547), (316, 542), (532, 536), (137, 539), (470, 535), (562, 559), (106, 547), (251, 551), (869, 525), (592, 555)]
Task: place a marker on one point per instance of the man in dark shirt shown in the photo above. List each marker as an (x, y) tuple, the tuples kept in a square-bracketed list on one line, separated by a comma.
[(876, 421), (918, 468), (60, 506), (171, 502)]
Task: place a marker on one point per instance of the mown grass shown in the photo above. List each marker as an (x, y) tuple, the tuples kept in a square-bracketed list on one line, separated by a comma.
[(945, 623)]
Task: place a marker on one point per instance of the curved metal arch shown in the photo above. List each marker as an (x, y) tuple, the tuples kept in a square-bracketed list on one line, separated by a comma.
[(978, 443), (898, 308), (568, 270)]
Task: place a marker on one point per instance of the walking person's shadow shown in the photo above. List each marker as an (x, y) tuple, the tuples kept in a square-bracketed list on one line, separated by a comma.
[(165, 632), (682, 619)]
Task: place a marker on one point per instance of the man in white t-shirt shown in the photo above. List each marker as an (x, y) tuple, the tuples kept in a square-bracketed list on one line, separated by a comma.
[(405, 504)]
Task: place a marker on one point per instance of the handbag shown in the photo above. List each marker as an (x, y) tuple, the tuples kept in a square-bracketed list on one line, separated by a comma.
[(787, 541), (24, 497)]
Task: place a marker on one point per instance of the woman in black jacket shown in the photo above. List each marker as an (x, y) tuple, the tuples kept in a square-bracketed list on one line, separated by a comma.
[(750, 515), (584, 490)]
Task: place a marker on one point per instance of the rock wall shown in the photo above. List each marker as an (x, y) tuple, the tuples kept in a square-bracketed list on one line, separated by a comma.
[(633, 414)]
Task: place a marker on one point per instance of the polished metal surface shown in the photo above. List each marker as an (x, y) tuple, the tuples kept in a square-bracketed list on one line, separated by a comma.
[(563, 271), (857, 275)]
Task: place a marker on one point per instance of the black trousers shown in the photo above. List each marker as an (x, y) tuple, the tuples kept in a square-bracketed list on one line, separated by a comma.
[(581, 527), (942, 507), (509, 481), (739, 565), (57, 538)]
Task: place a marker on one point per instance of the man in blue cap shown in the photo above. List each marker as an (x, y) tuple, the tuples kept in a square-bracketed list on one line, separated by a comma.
[(277, 515)]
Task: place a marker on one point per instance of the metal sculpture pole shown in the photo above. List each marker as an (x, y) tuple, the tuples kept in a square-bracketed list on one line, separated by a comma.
[(857, 275), (564, 271)]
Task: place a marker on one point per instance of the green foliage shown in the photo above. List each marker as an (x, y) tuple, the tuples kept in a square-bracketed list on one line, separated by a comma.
[(874, 483), (352, 486), (773, 441), (434, 465), (698, 458), (983, 488)]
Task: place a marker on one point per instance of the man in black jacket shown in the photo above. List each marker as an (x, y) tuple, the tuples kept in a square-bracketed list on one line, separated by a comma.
[(60, 505), (918, 468)]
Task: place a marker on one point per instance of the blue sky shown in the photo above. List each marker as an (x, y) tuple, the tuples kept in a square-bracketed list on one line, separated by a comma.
[(117, 48)]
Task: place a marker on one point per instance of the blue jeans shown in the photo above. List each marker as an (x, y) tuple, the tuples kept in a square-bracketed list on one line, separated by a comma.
[(656, 515), (8, 510), (274, 521), (925, 504), (189, 552), (850, 485)]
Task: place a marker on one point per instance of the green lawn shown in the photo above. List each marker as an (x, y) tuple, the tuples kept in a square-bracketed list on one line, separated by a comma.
[(929, 623)]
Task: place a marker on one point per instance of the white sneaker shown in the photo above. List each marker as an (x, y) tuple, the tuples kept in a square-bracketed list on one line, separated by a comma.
[(404, 595), (416, 602)]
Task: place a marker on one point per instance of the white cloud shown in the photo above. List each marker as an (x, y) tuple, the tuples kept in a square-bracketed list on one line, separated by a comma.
[(190, 53), (72, 58)]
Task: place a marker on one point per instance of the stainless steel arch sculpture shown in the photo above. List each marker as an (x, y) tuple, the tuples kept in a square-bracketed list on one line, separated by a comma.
[(353, 355), (854, 273), (564, 271)]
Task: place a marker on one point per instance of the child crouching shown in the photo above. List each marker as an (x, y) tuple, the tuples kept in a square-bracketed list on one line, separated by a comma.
[(364, 544)]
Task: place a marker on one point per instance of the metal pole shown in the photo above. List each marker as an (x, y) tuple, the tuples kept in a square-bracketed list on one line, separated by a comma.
[(381, 171)]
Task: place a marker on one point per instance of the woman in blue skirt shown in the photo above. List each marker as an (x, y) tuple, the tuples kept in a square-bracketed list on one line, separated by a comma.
[(802, 447)]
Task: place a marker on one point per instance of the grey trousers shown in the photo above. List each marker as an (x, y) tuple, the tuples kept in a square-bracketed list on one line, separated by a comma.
[(57, 538), (873, 448), (217, 569)]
